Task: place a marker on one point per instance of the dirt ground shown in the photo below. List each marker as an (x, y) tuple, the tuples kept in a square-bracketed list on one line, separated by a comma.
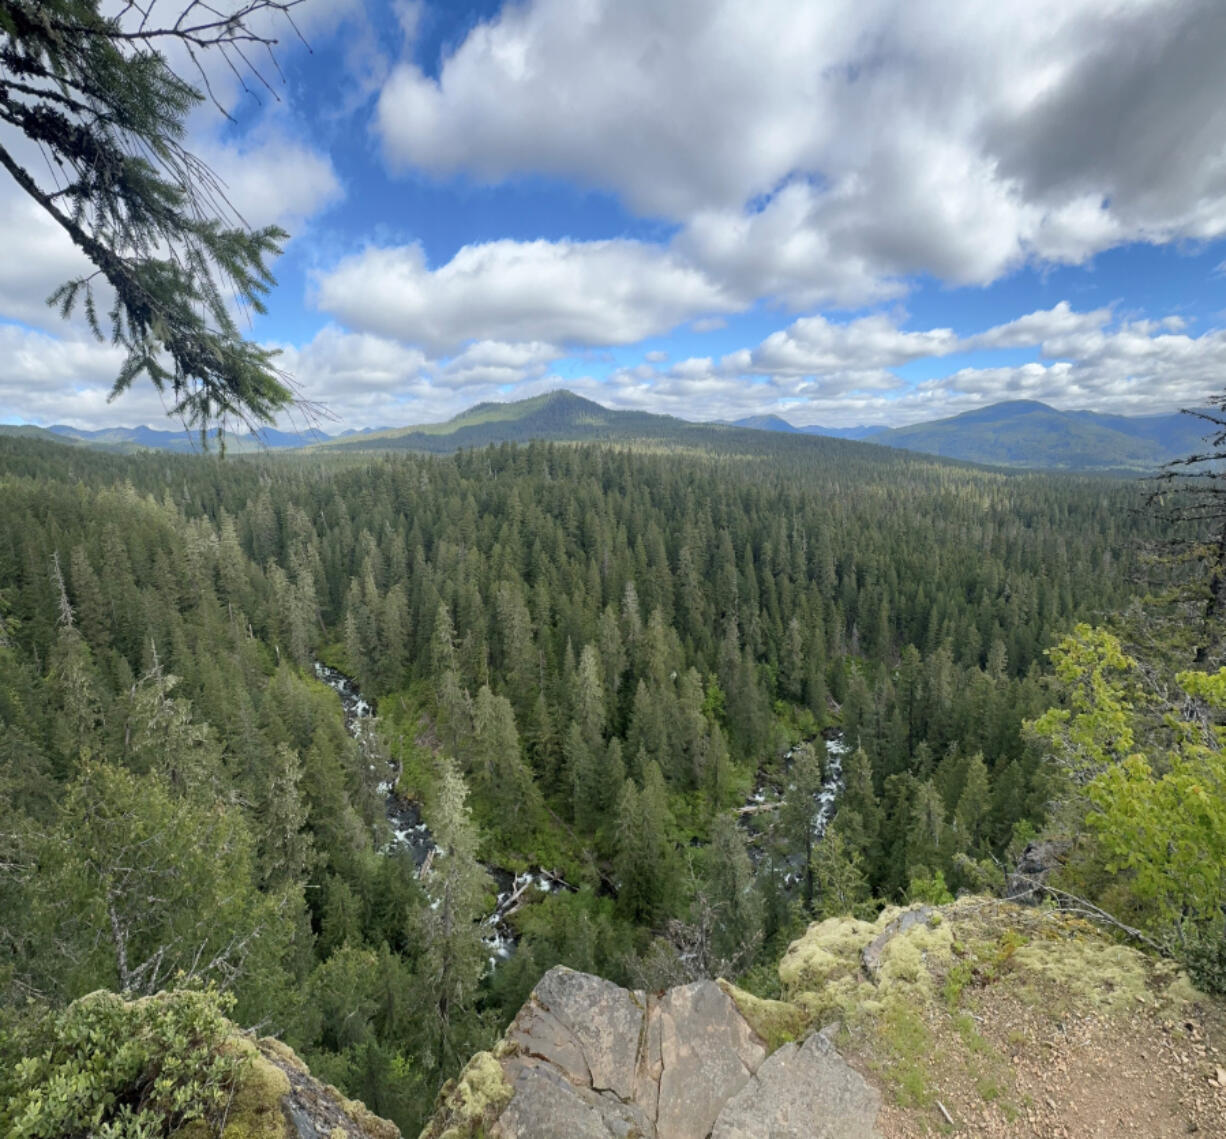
[(1074, 1076)]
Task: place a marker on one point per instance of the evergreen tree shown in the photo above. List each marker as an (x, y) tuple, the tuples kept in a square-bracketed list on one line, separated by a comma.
[(642, 861), (838, 875), (798, 815), (285, 846), (452, 957), (101, 101), (736, 903), (499, 770)]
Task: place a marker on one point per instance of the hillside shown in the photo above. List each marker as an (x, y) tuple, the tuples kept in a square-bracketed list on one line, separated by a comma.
[(558, 416), (29, 431), (127, 439), (776, 423), (1030, 434), (1021, 433), (561, 416), (1026, 433)]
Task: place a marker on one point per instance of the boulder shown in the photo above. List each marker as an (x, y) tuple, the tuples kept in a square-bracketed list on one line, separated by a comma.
[(870, 955), (708, 1052), (587, 1059), (1036, 864), (805, 1091)]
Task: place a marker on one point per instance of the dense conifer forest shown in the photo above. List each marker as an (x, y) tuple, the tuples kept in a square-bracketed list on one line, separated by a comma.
[(618, 669)]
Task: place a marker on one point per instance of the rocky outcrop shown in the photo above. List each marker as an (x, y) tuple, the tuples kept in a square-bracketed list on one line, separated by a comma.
[(587, 1058), (801, 1091), (278, 1098), (976, 1016), (870, 955), (1037, 863)]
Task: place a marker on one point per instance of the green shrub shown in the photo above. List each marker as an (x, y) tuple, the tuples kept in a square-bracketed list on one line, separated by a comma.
[(113, 1069)]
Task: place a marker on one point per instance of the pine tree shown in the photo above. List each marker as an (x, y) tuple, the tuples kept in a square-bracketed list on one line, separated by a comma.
[(286, 848), (838, 874), (799, 812), (735, 901), (452, 956), (971, 813), (102, 103), (859, 811), (642, 862), (589, 697), (499, 772)]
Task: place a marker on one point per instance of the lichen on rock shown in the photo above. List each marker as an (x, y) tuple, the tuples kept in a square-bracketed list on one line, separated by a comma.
[(912, 991), (776, 1022), (472, 1102)]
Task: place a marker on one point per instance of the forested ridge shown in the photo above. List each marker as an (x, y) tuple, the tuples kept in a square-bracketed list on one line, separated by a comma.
[(583, 658)]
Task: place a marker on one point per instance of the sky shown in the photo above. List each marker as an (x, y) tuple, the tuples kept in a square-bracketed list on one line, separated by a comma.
[(834, 211)]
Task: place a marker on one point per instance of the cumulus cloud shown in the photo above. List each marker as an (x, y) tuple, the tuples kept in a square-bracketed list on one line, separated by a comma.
[(1040, 327), (38, 257), (823, 153), (50, 379), (365, 380), (815, 344), (561, 292), (813, 371), (271, 179), (818, 371), (495, 362), (268, 175)]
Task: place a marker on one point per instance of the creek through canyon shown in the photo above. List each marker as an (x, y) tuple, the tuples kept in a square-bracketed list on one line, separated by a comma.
[(411, 834)]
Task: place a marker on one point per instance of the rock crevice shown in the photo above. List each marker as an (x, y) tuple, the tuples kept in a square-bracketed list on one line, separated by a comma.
[(585, 1057)]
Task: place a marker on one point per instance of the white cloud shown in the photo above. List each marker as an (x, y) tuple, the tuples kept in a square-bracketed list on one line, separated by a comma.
[(367, 380), (47, 379), (1041, 327), (813, 371), (821, 153), (498, 363), (271, 179), (817, 371), (561, 292), (814, 344), (268, 175), (38, 258)]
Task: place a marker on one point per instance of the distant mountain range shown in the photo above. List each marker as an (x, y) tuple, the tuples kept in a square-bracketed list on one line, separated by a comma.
[(126, 439), (775, 423), (1026, 433), (560, 416), (1018, 433)]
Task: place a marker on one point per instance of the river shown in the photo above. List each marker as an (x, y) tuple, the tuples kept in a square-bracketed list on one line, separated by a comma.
[(768, 795), (411, 834)]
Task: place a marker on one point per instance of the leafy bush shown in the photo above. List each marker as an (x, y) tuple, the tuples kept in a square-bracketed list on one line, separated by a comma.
[(112, 1069)]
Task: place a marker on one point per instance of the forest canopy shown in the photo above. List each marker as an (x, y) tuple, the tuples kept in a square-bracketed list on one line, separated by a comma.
[(584, 659)]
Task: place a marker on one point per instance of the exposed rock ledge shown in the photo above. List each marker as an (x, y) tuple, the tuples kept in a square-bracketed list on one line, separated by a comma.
[(586, 1059), (278, 1098)]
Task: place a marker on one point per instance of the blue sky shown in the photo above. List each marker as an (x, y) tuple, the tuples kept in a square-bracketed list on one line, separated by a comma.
[(837, 212)]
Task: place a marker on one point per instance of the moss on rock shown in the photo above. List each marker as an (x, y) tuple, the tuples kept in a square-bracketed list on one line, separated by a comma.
[(255, 1112), (472, 1102), (776, 1022), (913, 958), (824, 951), (918, 978), (1105, 976)]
